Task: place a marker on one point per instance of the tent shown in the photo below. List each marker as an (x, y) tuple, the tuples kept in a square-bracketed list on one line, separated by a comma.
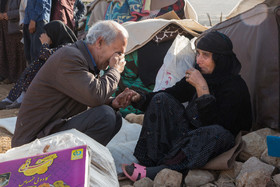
[(255, 37)]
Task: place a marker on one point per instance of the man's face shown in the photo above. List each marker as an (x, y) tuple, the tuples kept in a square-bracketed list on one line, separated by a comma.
[(106, 51)]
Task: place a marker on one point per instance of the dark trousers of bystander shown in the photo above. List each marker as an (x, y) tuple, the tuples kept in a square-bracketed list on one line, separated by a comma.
[(32, 43)]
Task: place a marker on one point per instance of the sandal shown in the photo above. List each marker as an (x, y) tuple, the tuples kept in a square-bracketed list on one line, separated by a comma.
[(139, 172)]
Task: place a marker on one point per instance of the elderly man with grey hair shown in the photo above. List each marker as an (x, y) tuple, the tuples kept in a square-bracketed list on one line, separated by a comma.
[(68, 92)]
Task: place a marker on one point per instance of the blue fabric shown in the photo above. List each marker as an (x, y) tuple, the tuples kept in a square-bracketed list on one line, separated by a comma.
[(37, 10), (130, 10), (273, 145)]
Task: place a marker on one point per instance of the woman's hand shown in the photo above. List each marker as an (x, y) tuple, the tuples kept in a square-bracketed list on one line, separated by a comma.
[(5, 16), (32, 26), (195, 78), (44, 38), (124, 99)]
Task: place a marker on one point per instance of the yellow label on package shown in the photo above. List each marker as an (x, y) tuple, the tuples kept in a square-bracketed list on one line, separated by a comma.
[(77, 154)]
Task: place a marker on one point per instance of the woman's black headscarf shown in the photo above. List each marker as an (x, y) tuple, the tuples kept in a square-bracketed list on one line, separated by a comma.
[(226, 62), (59, 33)]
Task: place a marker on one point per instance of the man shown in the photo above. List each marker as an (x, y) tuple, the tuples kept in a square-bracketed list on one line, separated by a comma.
[(68, 83), (37, 14)]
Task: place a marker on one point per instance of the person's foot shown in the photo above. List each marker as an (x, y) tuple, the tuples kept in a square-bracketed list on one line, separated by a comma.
[(13, 105), (4, 104), (134, 171)]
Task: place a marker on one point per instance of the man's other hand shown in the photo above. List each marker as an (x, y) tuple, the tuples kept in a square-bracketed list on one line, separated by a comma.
[(124, 98), (32, 26)]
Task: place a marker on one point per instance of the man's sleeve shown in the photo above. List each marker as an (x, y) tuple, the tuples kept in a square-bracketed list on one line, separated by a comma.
[(74, 80)]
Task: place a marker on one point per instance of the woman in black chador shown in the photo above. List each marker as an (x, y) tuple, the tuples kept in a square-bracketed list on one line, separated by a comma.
[(218, 107)]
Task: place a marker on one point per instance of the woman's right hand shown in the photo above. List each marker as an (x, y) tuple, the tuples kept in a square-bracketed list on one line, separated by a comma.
[(44, 38), (195, 78)]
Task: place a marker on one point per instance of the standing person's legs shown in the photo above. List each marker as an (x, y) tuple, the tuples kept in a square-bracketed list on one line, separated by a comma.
[(35, 41), (27, 43), (100, 123)]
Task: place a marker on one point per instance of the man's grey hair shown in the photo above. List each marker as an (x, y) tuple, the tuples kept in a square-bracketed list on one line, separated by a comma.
[(108, 30)]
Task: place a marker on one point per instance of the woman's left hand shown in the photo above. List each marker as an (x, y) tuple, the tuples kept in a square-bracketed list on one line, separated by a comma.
[(5, 16), (195, 78)]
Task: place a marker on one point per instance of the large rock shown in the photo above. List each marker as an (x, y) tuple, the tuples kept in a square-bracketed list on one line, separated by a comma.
[(255, 143), (135, 118), (227, 177), (255, 178), (225, 182), (276, 179), (275, 161), (254, 173), (126, 182), (145, 182), (168, 177), (198, 178), (209, 185), (232, 173)]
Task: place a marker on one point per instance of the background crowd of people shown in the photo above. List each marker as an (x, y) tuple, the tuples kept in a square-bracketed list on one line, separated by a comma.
[(22, 23)]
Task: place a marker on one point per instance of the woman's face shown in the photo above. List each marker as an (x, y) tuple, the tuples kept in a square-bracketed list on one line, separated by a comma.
[(205, 61)]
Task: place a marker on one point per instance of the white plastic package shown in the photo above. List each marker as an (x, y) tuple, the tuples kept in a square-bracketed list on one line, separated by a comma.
[(123, 144), (177, 60)]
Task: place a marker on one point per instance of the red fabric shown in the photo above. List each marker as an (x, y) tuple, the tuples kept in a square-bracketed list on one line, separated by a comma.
[(63, 10)]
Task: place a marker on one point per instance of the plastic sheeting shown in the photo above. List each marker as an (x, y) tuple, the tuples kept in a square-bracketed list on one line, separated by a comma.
[(123, 144), (177, 60)]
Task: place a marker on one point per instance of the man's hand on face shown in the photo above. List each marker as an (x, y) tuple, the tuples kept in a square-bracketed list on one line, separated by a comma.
[(124, 98), (117, 61)]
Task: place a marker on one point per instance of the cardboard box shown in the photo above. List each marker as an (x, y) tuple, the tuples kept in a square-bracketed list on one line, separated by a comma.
[(68, 168)]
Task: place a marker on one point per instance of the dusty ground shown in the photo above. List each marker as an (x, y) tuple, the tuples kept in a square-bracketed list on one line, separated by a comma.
[(5, 136)]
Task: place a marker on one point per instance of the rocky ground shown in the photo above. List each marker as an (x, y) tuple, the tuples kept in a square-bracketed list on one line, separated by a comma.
[(253, 168)]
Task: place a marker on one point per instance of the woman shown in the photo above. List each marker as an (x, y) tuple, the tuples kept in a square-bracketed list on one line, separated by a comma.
[(57, 34), (218, 107), (12, 60)]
